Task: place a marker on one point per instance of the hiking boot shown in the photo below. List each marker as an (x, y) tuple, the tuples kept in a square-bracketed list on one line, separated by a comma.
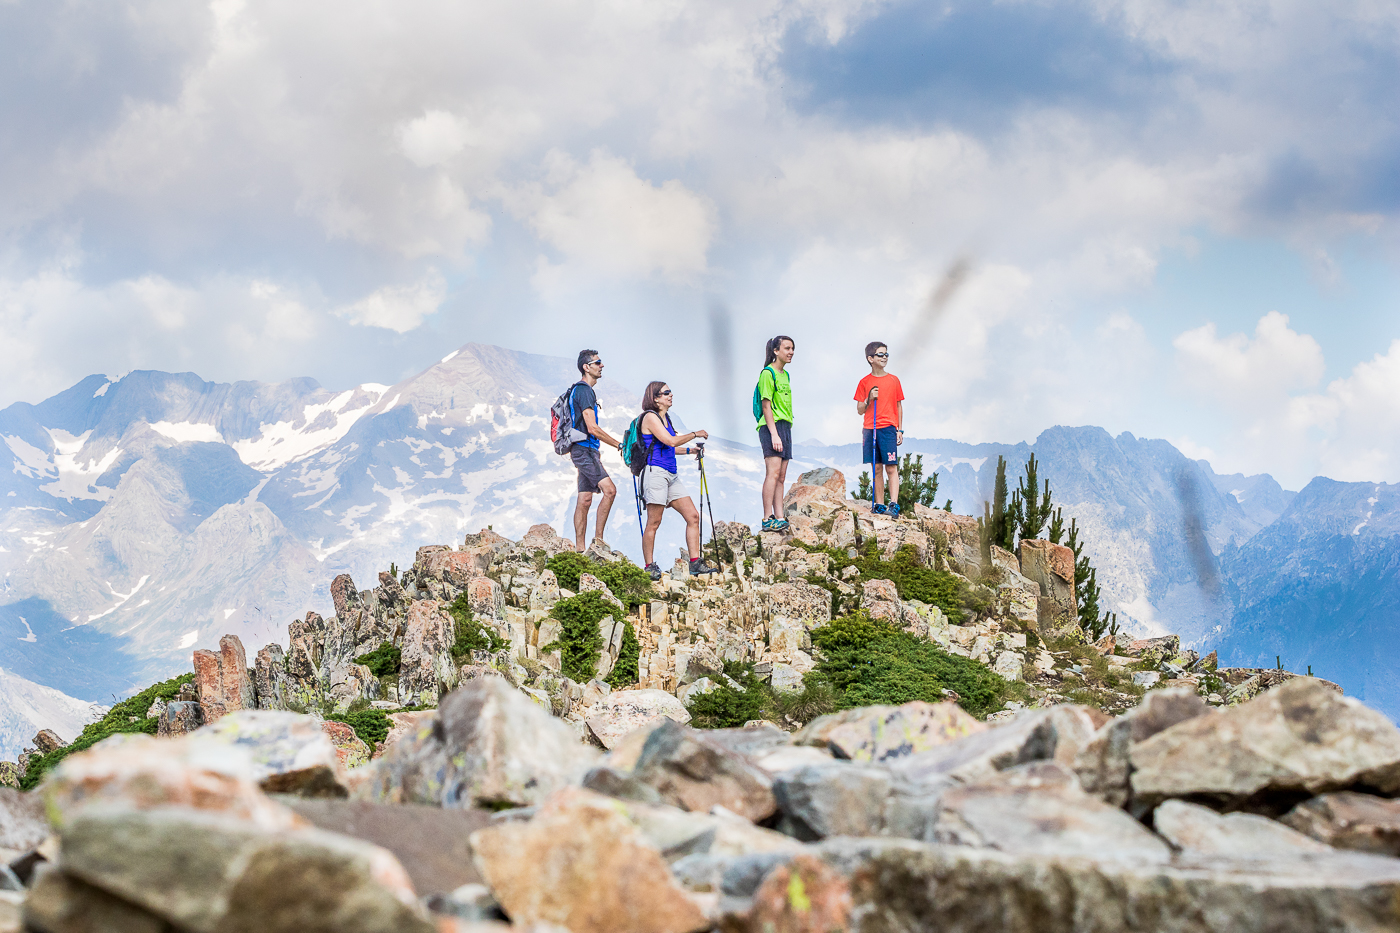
[(767, 524), (698, 566), (780, 524), (654, 570), (878, 509), (892, 509)]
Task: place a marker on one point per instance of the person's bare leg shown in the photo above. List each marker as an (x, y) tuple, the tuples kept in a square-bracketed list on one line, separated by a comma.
[(609, 492), (771, 466), (892, 471), (878, 476), (585, 502), (778, 511), (654, 513), (691, 515)]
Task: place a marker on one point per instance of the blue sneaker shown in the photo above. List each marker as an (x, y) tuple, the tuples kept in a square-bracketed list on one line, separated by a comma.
[(767, 524), (892, 509), (878, 508)]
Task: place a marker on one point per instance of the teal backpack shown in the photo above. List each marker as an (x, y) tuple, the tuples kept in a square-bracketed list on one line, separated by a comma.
[(634, 451), (757, 399)]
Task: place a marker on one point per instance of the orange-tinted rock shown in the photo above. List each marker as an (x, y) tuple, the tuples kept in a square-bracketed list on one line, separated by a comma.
[(582, 864), (222, 679), (350, 750), (805, 895)]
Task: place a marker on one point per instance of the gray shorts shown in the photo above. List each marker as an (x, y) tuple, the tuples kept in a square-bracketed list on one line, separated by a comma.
[(589, 461), (662, 487)]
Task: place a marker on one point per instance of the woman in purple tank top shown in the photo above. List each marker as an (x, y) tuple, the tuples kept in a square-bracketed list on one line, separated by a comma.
[(661, 487)]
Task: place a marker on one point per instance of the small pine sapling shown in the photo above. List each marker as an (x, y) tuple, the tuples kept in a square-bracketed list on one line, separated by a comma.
[(1035, 503), (913, 488), (863, 491)]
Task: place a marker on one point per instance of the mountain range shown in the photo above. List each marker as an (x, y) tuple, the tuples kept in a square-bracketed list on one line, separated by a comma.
[(145, 515)]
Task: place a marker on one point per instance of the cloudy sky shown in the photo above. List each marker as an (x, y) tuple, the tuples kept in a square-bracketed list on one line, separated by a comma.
[(1178, 219)]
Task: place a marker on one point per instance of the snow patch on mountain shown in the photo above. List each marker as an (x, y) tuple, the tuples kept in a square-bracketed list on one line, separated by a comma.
[(28, 707)]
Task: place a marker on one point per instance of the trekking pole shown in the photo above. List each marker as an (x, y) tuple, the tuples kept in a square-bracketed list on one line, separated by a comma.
[(637, 495), (874, 446), (709, 504)]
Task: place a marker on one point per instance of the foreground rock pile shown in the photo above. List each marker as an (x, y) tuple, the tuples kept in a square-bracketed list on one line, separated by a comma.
[(1275, 814)]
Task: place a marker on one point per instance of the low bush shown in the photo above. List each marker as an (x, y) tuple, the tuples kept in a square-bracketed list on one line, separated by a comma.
[(117, 720), (628, 582), (953, 596), (371, 725), (470, 635), (869, 661), (727, 706), (382, 661), (624, 672), (580, 644)]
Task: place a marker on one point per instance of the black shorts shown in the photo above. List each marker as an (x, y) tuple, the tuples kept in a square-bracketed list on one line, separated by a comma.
[(589, 462), (784, 434)]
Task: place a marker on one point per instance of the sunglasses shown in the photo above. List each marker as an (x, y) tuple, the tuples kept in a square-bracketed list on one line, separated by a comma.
[(667, 392), (598, 361), (881, 356)]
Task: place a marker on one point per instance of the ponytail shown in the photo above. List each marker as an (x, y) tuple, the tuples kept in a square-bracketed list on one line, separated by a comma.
[(771, 348)]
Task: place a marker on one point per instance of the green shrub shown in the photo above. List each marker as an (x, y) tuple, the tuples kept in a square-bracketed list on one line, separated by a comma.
[(725, 707), (624, 672), (729, 707), (911, 578), (580, 644), (867, 661), (382, 661), (117, 720), (371, 725), (628, 582), (470, 635)]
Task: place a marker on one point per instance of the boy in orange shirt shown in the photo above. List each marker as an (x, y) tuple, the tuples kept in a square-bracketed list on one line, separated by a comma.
[(880, 395)]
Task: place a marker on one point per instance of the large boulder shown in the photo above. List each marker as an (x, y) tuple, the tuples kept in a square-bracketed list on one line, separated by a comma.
[(902, 885), (1298, 739), (1103, 762), (883, 733), (1199, 830), (1347, 820), (816, 494), (581, 864), (222, 679), (270, 677), (489, 745), (1051, 567), (138, 772), (833, 798), (1039, 809), (692, 772), (286, 752), (209, 872), (426, 668), (22, 823), (625, 711)]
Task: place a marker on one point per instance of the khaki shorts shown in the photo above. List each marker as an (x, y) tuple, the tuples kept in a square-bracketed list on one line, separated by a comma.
[(662, 487)]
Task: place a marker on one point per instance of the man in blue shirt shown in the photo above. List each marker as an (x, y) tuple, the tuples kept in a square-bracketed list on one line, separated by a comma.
[(587, 453)]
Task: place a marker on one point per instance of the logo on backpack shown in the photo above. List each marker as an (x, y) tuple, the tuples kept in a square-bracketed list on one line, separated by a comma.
[(562, 421), (634, 451), (758, 399)]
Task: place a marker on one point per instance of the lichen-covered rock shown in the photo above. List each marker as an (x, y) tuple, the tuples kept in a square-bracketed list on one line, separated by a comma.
[(270, 677), (580, 863), (209, 872), (800, 602), (48, 741), (350, 682), (140, 772), (489, 745), (288, 752), (350, 750), (1299, 738), (22, 822), (426, 668), (1103, 762), (883, 733), (9, 774), (179, 717)]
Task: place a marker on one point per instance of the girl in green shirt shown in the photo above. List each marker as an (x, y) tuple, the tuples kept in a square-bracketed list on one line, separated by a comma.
[(775, 428)]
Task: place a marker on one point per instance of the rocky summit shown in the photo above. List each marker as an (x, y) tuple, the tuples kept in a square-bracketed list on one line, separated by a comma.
[(863, 723)]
